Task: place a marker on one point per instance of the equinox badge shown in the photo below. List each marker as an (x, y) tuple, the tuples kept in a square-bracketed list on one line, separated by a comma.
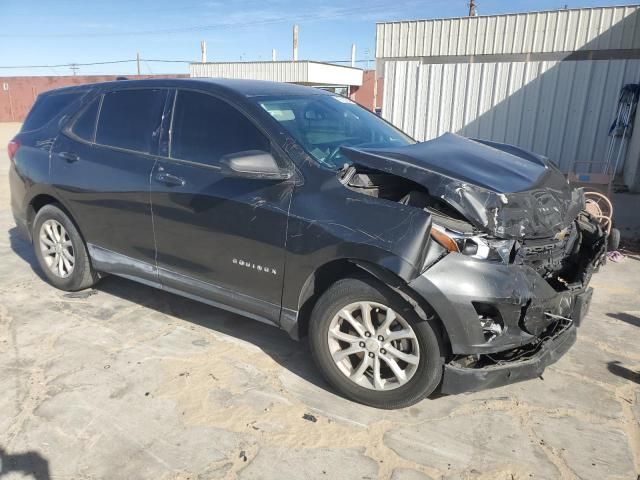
[(260, 268)]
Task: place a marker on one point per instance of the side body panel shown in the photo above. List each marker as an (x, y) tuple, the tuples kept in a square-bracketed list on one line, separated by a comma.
[(107, 187), (28, 176), (107, 191), (29, 173), (330, 222), (221, 236)]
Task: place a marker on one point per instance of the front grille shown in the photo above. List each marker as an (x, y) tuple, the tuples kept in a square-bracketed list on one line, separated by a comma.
[(547, 256)]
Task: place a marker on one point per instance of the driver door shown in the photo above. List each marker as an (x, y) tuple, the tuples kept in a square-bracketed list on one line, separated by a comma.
[(219, 237)]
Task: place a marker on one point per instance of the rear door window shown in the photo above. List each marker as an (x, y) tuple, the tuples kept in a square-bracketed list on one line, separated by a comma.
[(47, 107), (204, 129), (84, 126), (131, 119)]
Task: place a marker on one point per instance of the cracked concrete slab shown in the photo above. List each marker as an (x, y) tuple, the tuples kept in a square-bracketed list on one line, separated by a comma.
[(131, 382), (491, 440), (335, 464), (406, 474), (564, 393), (588, 449)]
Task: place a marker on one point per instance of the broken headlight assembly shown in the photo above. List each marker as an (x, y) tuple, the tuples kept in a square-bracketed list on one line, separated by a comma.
[(475, 246)]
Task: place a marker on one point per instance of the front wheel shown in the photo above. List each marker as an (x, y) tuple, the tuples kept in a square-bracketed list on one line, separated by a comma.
[(60, 250), (372, 347)]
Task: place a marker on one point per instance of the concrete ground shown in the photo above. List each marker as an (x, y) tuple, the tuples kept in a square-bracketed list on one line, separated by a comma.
[(131, 382)]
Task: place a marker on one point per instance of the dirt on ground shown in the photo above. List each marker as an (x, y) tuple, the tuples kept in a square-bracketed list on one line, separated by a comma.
[(125, 381)]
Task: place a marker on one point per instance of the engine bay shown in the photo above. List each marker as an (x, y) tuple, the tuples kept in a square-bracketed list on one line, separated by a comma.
[(565, 261)]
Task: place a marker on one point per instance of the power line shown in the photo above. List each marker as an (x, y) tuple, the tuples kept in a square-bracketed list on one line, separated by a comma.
[(134, 60), (213, 26), (67, 64)]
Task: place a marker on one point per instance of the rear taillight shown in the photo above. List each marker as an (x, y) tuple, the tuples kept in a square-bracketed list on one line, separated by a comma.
[(12, 148)]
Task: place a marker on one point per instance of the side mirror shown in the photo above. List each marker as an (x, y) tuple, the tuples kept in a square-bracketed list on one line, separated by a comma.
[(255, 164)]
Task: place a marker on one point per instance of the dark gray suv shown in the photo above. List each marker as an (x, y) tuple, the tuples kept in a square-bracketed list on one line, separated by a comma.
[(453, 264)]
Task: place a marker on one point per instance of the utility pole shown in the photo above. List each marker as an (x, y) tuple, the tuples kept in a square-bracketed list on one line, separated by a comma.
[(295, 43), (472, 8), (74, 68), (203, 51), (138, 62)]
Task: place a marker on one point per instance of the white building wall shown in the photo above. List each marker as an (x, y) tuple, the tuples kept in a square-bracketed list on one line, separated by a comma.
[(560, 109), (601, 28), (312, 73), (291, 72), (546, 81)]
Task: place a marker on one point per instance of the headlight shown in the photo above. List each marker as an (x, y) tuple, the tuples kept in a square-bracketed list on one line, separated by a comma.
[(473, 245)]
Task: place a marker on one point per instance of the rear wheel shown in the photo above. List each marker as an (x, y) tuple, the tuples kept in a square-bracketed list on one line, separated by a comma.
[(60, 250), (371, 346)]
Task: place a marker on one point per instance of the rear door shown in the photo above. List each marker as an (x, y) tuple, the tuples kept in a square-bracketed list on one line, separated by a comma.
[(101, 167), (219, 237)]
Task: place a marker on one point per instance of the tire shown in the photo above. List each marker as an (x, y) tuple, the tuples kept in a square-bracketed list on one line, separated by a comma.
[(614, 239), (67, 245), (327, 322)]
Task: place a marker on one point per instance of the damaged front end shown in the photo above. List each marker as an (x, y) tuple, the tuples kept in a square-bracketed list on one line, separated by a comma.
[(511, 256)]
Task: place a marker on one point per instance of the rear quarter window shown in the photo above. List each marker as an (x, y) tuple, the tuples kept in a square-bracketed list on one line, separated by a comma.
[(48, 107), (84, 126)]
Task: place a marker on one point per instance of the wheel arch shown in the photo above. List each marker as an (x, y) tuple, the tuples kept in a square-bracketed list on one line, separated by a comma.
[(324, 276), (42, 199)]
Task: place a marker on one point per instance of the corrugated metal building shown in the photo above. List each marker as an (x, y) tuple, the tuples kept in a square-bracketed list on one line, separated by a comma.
[(546, 81)]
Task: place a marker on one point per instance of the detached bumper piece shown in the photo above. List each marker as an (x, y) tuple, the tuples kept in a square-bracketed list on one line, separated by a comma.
[(474, 373)]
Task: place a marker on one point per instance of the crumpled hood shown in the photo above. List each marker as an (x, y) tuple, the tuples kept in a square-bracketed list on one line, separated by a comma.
[(501, 189)]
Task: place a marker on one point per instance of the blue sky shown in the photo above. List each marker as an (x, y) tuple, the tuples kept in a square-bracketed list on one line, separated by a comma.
[(37, 32)]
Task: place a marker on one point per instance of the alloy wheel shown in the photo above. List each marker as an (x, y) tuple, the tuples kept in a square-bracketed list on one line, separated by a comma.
[(57, 248), (373, 346)]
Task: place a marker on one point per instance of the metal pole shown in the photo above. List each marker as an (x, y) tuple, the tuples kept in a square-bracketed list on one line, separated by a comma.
[(273, 54), (13, 117), (295, 43), (138, 62), (621, 114), (203, 50), (375, 90), (623, 140), (612, 141), (472, 8)]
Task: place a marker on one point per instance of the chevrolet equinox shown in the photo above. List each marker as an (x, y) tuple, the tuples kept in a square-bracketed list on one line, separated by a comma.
[(452, 264)]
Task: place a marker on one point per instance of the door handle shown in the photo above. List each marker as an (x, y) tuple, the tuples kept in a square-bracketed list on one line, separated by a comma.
[(69, 156), (170, 180)]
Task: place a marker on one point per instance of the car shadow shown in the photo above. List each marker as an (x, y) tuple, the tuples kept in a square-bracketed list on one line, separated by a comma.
[(21, 246), (621, 371), (292, 355), (626, 317), (28, 464)]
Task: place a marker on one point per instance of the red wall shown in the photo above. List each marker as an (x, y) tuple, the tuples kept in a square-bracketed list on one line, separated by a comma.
[(17, 94), (364, 95)]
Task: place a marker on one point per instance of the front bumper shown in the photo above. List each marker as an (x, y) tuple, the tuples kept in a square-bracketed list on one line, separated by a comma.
[(458, 378), (535, 323), (459, 287)]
